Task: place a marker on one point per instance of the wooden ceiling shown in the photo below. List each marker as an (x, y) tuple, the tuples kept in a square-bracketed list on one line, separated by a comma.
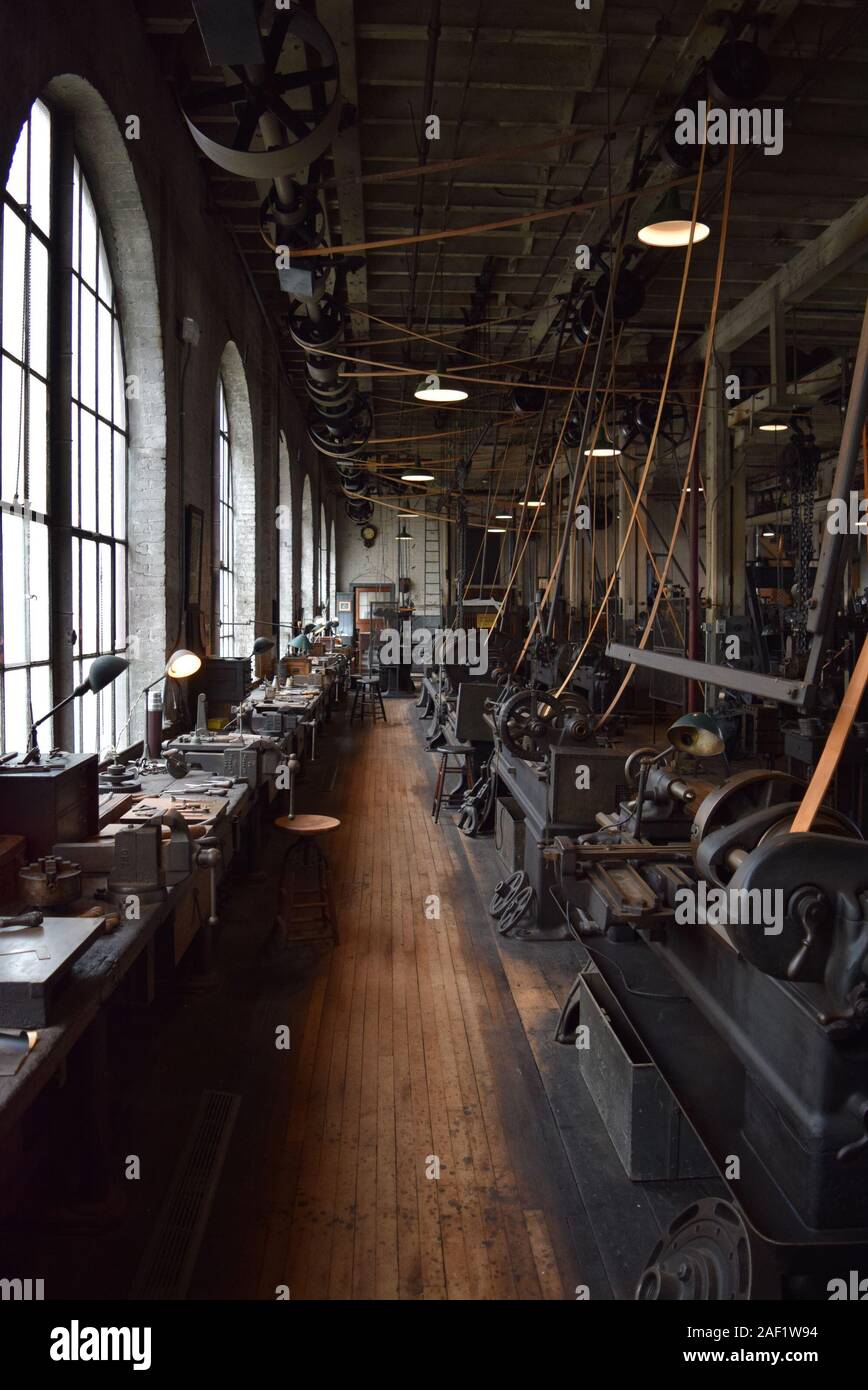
[(502, 82)]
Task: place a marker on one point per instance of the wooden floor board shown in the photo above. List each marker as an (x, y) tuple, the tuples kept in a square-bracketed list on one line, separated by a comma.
[(418, 1156)]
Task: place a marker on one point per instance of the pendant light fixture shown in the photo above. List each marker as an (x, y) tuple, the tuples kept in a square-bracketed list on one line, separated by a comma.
[(432, 390), (671, 223)]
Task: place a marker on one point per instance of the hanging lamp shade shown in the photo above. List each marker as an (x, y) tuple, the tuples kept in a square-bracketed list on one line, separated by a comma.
[(434, 391), (670, 225)]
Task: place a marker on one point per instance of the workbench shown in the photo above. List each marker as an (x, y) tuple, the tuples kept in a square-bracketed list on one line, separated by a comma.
[(79, 1015)]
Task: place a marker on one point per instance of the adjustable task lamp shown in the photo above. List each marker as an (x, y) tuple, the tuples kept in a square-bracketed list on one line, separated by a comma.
[(103, 670), (180, 665), (698, 734)]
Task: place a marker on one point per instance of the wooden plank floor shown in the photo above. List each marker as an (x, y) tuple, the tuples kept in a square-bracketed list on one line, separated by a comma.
[(417, 1155)]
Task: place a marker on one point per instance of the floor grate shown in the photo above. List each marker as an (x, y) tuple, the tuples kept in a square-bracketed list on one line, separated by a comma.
[(169, 1261)]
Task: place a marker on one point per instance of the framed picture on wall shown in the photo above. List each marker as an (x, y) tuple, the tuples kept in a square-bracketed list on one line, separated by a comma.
[(193, 528), (344, 605)]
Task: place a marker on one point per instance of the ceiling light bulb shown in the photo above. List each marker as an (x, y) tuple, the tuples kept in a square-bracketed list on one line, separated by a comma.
[(503, 516), (432, 389), (772, 427), (531, 504), (496, 530), (416, 475), (603, 452), (769, 531)]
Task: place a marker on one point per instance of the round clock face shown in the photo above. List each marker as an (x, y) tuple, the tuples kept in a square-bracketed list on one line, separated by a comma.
[(369, 533)]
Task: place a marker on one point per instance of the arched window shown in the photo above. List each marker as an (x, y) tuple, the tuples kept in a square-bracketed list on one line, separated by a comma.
[(27, 248), (82, 427), (323, 560), (307, 552), (284, 544), (76, 508), (234, 510), (225, 532), (333, 575)]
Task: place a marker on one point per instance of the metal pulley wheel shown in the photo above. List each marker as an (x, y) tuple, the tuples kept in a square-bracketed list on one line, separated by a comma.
[(706, 1256), (745, 812), (505, 892), (264, 86), (578, 716), (531, 722), (517, 908)]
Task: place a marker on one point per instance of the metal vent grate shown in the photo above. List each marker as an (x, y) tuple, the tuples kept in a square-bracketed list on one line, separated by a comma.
[(169, 1261)]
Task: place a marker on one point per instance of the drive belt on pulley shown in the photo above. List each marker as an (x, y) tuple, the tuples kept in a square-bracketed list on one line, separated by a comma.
[(530, 722)]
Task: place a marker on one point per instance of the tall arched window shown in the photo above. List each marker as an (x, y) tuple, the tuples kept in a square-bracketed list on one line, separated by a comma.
[(323, 560), (27, 247), (64, 390), (307, 552), (333, 575), (284, 544), (225, 531), (234, 498)]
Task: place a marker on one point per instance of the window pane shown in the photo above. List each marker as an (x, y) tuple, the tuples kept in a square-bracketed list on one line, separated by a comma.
[(73, 455), (16, 712), (87, 427), (104, 368), (13, 283), (104, 478), (38, 446), (76, 208), (40, 596), (38, 307), (119, 414), (105, 631), (12, 432), (120, 636), (41, 702), (120, 492), (14, 606), (88, 349), (88, 643), (17, 182), (88, 237), (105, 281), (40, 166)]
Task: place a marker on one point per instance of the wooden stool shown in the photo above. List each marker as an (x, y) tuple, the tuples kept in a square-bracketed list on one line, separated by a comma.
[(306, 911), (462, 751), (369, 693)]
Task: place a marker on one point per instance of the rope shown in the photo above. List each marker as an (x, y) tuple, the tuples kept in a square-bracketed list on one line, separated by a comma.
[(718, 276), (654, 433), (448, 234)]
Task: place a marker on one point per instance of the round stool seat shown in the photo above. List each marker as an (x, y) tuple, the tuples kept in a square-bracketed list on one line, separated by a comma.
[(307, 825)]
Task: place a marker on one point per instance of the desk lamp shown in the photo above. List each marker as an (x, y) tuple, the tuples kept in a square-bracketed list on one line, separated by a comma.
[(103, 670)]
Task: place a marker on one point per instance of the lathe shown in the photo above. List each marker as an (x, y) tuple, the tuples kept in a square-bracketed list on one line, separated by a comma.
[(738, 951)]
